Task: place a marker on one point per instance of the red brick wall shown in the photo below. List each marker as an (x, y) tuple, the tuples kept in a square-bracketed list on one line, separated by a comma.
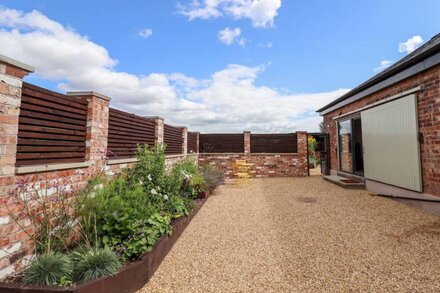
[(15, 245), (280, 165), (265, 165), (429, 123)]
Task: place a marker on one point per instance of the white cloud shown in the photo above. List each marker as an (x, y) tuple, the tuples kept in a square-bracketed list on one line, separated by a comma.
[(228, 100), (266, 45), (145, 33), (411, 44), (384, 64), (229, 36), (262, 13)]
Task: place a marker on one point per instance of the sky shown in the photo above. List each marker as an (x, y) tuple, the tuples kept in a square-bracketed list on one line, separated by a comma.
[(215, 65)]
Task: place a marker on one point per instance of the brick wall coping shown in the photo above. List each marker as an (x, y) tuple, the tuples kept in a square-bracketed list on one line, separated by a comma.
[(89, 93), (121, 161), (154, 117), (131, 160), (221, 154), (174, 156), (53, 167), (250, 154), (16, 63)]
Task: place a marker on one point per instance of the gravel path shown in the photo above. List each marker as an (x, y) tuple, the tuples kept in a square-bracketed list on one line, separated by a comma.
[(302, 235)]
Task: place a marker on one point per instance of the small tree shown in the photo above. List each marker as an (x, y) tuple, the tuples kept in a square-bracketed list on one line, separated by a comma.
[(311, 145), (322, 127)]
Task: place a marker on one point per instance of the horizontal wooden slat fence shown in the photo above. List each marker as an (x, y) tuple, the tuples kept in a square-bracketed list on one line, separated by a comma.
[(126, 131), (192, 142), (173, 138), (221, 143), (274, 143), (52, 127)]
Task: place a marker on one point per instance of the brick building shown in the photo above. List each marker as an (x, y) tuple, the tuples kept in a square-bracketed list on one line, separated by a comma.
[(386, 131)]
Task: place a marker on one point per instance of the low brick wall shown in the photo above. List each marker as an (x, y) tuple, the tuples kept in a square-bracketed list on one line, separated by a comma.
[(15, 245), (265, 165)]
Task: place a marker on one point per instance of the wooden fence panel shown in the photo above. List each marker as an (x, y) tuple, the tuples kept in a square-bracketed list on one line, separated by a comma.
[(274, 143), (52, 127), (192, 142), (173, 138), (125, 132), (221, 143)]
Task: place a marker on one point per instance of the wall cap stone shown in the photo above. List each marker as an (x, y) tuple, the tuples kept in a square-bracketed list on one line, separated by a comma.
[(154, 117), (174, 156), (16, 63), (249, 154), (89, 93), (53, 167), (121, 161), (131, 160), (221, 154)]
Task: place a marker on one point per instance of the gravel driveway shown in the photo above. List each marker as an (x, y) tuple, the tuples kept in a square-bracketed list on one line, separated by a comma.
[(302, 235)]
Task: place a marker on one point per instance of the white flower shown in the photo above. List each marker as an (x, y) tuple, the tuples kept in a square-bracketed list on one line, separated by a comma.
[(149, 177), (165, 197), (153, 191), (141, 182)]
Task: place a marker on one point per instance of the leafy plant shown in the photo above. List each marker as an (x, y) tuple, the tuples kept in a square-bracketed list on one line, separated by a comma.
[(150, 169), (311, 144), (131, 212), (187, 179), (91, 264), (49, 269), (213, 176), (143, 234)]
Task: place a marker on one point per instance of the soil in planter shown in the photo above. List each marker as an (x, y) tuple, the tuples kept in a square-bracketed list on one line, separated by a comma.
[(14, 278)]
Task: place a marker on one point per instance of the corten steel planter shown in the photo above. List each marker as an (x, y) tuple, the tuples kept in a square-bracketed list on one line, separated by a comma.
[(131, 277)]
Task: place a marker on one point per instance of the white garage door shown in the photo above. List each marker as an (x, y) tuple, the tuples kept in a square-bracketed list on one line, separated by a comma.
[(391, 146)]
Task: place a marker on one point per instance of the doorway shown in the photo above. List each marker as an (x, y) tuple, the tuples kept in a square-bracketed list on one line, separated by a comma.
[(350, 147)]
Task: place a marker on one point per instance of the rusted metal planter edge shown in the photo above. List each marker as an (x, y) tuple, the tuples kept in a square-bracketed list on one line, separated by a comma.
[(131, 277)]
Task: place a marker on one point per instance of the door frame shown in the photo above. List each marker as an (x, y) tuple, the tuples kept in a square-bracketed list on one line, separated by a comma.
[(354, 116)]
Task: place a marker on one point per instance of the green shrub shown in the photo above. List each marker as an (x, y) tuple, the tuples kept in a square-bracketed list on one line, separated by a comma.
[(123, 212), (131, 212), (150, 169), (49, 269), (93, 264), (143, 234), (187, 179), (213, 176)]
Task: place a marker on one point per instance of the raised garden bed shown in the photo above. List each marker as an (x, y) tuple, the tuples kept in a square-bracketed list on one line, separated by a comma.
[(131, 277)]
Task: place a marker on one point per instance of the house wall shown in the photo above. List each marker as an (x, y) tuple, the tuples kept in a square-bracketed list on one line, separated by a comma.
[(428, 109)]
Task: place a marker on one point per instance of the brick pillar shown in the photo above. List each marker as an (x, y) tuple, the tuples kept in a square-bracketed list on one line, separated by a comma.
[(185, 141), (247, 142), (303, 169), (198, 142), (158, 129), (11, 76), (97, 128)]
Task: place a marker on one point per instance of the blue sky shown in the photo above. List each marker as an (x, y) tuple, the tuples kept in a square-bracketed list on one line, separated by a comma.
[(288, 58)]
